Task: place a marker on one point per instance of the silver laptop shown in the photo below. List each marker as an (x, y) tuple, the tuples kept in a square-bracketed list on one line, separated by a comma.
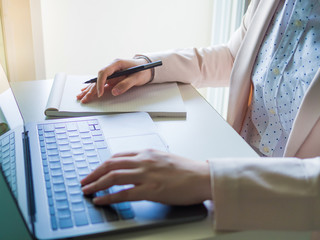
[(43, 163)]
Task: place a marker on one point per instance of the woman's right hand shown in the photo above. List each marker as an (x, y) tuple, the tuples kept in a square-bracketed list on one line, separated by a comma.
[(117, 86)]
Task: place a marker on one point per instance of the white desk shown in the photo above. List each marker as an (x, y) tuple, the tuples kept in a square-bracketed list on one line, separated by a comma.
[(203, 134)]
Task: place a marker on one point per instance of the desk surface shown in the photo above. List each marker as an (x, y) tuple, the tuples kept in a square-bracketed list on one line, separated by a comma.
[(203, 134)]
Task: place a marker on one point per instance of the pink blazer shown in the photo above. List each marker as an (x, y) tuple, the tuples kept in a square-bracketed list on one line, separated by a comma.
[(269, 193)]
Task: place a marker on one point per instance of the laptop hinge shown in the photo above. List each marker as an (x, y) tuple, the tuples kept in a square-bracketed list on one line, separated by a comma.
[(29, 179)]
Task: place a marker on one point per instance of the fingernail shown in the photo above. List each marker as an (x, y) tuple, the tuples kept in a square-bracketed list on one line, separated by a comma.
[(95, 200), (115, 91), (84, 189)]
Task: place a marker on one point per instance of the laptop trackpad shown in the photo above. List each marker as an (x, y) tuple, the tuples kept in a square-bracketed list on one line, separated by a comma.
[(136, 143)]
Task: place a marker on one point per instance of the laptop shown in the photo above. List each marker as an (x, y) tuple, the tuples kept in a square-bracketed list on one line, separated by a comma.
[(43, 162)]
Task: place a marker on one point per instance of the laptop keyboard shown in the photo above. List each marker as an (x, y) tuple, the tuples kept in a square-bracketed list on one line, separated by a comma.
[(70, 151), (8, 160)]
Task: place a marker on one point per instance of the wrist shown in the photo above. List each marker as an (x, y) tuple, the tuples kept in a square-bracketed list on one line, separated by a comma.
[(204, 183), (146, 60)]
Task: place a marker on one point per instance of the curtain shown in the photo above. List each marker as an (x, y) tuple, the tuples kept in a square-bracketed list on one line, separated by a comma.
[(227, 15)]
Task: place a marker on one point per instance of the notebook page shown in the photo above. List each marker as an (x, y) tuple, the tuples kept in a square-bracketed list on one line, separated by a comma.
[(159, 99)]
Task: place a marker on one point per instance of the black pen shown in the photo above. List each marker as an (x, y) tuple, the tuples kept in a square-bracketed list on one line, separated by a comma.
[(130, 70)]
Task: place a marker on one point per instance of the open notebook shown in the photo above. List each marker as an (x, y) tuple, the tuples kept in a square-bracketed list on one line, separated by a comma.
[(159, 100)]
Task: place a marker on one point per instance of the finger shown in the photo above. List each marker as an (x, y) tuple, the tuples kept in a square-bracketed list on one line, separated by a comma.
[(90, 95), (125, 154), (83, 92), (121, 177), (104, 73), (125, 85), (114, 81), (131, 194), (106, 167)]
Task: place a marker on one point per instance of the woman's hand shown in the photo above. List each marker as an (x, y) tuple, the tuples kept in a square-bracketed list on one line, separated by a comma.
[(118, 85), (155, 176)]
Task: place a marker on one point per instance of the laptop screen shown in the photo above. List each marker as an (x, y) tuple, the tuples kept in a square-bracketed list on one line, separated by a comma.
[(10, 116), (12, 160)]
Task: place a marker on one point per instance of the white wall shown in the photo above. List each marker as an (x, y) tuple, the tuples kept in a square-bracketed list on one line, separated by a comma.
[(82, 36)]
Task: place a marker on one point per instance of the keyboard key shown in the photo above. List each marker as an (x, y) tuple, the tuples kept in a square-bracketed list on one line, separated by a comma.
[(76, 145), (50, 140), (98, 138), (65, 147), (95, 216), (85, 135), (59, 187), (93, 122), (49, 134), (63, 205), (126, 214), (87, 141), (93, 159), (52, 146), (55, 165), (96, 133), (72, 126), (65, 223), (5, 141), (80, 218), (83, 127), (78, 206), (54, 158), (73, 134), (74, 190), (93, 166), (52, 152), (89, 146), (83, 171), (79, 157), (57, 179), (66, 154), (91, 153), (62, 142), (59, 125), (68, 167), (110, 214), (122, 206), (61, 135), (70, 174), (48, 127), (51, 210), (54, 225), (81, 164), (77, 151), (74, 139), (56, 172), (72, 181), (67, 160), (60, 196)]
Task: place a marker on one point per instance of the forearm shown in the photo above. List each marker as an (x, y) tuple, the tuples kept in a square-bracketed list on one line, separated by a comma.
[(201, 67)]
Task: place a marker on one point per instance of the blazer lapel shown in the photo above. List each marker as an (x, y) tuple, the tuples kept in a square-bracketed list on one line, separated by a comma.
[(306, 118), (240, 83)]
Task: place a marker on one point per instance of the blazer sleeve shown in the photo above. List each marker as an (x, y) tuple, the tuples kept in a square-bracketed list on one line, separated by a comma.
[(266, 193)]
